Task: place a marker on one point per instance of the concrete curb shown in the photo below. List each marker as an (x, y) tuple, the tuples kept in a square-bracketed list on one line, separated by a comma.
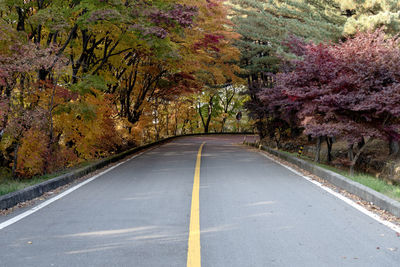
[(342, 182), (10, 200)]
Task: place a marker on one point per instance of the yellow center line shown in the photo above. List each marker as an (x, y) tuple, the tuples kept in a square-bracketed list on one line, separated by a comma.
[(194, 254)]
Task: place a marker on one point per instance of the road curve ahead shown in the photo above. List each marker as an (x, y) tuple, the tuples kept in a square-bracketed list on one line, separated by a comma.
[(250, 212)]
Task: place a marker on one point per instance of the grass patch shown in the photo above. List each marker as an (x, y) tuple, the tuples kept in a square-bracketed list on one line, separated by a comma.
[(381, 186), (9, 185)]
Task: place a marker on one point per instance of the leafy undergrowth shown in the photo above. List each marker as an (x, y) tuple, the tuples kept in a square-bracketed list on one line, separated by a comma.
[(9, 185), (381, 186)]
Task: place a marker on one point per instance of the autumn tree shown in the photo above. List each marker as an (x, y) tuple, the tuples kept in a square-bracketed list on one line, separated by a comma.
[(349, 89), (90, 78), (22, 110), (214, 57), (281, 113)]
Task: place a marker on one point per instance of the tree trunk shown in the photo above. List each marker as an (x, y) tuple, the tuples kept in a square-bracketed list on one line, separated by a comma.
[(156, 120), (157, 133), (318, 149), (206, 124), (206, 130), (260, 125), (43, 73), (223, 125), (14, 167), (21, 19), (350, 152), (361, 144), (394, 148), (329, 143), (51, 128), (38, 37), (360, 150), (277, 138), (167, 120), (176, 124), (210, 110), (191, 127)]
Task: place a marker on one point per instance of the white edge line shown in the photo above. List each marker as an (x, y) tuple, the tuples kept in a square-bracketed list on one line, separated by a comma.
[(350, 202), (63, 194)]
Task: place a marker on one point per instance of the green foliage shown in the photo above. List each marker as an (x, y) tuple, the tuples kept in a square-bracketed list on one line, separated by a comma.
[(56, 17), (266, 25), (88, 83)]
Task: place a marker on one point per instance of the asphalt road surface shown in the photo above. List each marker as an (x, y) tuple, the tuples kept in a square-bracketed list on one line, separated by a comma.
[(252, 212)]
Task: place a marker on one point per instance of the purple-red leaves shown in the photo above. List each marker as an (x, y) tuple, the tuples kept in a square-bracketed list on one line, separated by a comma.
[(181, 14), (209, 41), (351, 88), (163, 20)]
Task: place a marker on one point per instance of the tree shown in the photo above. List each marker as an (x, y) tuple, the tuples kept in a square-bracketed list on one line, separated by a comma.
[(20, 89), (232, 99), (208, 107), (265, 26), (99, 75), (211, 56), (369, 15), (281, 112), (349, 89)]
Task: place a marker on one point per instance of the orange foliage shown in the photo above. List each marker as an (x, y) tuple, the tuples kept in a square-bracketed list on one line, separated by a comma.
[(88, 128), (209, 45), (33, 153), (58, 120)]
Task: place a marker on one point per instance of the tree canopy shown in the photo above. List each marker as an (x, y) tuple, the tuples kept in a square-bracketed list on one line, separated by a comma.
[(81, 79), (325, 67)]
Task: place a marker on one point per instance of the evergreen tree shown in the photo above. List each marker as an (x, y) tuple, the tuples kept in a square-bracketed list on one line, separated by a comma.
[(366, 15), (265, 27)]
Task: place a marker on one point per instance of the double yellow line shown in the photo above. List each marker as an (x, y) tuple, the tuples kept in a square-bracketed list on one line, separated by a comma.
[(194, 254)]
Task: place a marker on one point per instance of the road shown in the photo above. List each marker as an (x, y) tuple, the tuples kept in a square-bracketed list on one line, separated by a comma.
[(252, 212)]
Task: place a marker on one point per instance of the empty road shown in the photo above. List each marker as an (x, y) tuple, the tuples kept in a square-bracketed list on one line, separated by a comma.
[(175, 205)]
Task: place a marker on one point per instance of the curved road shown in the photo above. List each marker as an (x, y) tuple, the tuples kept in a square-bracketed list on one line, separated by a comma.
[(252, 212)]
